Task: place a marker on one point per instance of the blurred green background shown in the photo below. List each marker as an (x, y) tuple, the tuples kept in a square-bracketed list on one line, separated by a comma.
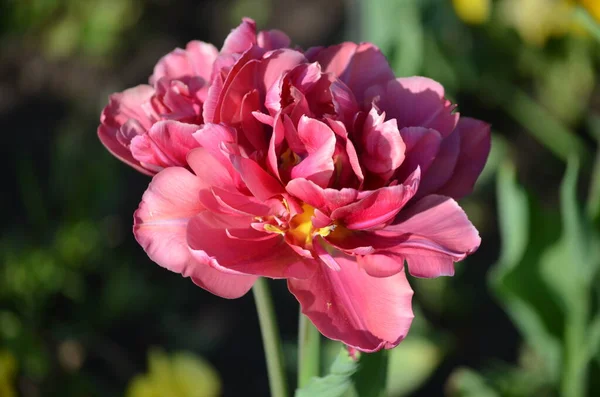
[(83, 311)]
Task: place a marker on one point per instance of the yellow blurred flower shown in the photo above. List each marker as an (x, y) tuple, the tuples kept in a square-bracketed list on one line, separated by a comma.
[(8, 371), (179, 375), (474, 12), (538, 20)]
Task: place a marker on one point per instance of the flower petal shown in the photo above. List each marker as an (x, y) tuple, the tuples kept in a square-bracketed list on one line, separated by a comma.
[(273, 39), (210, 241), (165, 145), (262, 185), (363, 312), (377, 208), (442, 168), (196, 60), (319, 141), (475, 144), (209, 170), (326, 200), (241, 38), (383, 264), (160, 225), (436, 232), (422, 147), (359, 66), (419, 102), (122, 107)]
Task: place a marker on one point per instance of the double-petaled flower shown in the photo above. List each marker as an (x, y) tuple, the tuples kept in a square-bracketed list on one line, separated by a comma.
[(319, 167)]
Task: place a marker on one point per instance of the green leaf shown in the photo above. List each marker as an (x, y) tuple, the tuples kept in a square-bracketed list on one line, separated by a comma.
[(339, 381), (526, 232), (578, 251), (395, 26)]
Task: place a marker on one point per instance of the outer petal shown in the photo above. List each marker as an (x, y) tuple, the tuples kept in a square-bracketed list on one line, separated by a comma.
[(160, 225), (359, 66), (122, 107), (419, 102), (211, 241), (273, 39), (165, 145), (422, 147), (435, 232), (364, 312), (475, 144), (442, 168), (240, 38), (196, 60)]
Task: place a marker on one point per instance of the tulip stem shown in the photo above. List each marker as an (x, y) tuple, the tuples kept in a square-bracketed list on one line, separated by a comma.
[(271, 338), (309, 346)]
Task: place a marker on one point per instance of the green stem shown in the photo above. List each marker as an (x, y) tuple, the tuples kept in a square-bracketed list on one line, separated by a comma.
[(271, 340), (309, 346), (372, 376)]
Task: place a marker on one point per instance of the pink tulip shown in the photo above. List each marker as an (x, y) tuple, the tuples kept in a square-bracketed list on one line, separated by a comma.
[(319, 167)]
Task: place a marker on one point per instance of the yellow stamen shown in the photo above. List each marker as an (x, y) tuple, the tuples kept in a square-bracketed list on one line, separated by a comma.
[(274, 229), (302, 229), (301, 225)]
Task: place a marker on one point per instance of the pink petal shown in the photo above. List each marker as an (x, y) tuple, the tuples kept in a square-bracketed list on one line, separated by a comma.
[(383, 147), (240, 38), (276, 63), (244, 205), (419, 102), (359, 66), (364, 312), (436, 233), (196, 60), (233, 94), (475, 143), (319, 141), (123, 107), (422, 147), (326, 200), (344, 103), (165, 145), (442, 168), (382, 265), (209, 108), (377, 208), (303, 77), (350, 164), (273, 39), (210, 241), (211, 136), (275, 146), (222, 79), (209, 170), (160, 225), (262, 185)]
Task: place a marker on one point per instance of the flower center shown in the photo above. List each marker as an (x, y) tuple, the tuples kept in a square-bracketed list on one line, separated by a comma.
[(301, 228)]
